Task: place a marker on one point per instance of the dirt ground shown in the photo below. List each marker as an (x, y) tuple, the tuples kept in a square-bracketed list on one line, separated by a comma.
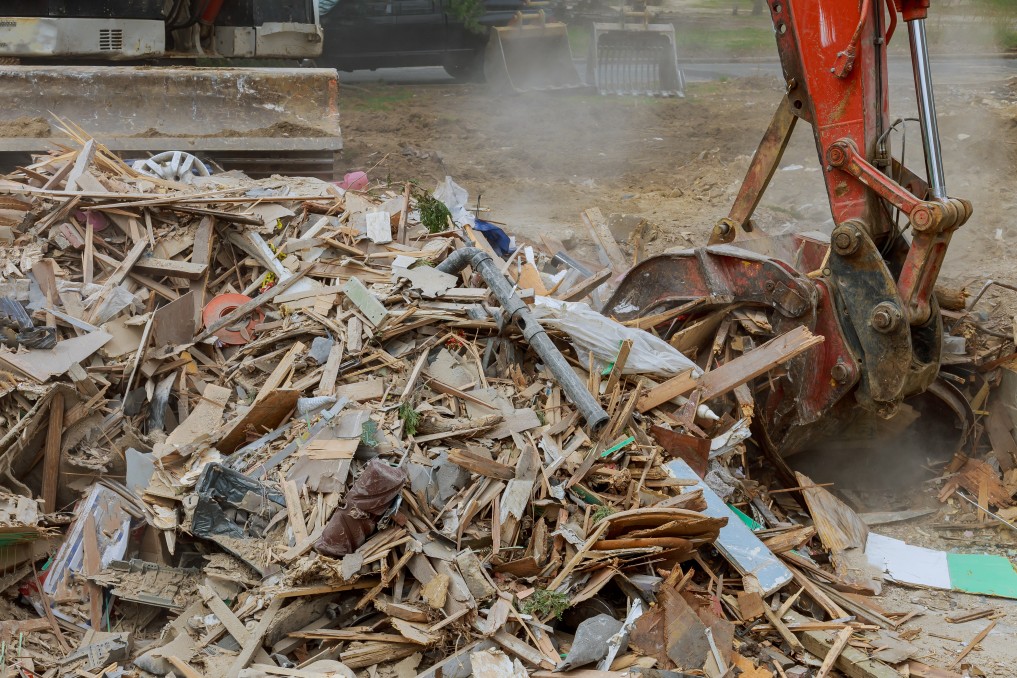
[(534, 161)]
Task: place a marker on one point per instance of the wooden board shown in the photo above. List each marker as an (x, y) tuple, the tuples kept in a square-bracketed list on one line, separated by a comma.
[(611, 254), (368, 389), (42, 364), (205, 418), (173, 324), (170, 268), (852, 662), (264, 415), (838, 526), (734, 373)]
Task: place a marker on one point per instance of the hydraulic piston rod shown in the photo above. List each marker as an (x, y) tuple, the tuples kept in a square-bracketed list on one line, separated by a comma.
[(927, 109)]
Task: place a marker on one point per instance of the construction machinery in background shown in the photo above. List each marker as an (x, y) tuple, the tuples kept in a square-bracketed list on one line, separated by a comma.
[(633, 56), (531, 53), (515, 44), (867, 287), (261, 120)]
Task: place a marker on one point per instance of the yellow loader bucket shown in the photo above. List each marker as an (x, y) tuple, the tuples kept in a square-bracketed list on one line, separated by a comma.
[(530, 54), (261, 120), (635, 59)]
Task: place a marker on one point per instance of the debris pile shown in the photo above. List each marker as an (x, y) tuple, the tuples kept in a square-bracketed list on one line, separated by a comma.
[(275, 428)]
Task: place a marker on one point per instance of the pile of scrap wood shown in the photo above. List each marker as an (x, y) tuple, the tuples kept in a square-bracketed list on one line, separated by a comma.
[(265, 428)]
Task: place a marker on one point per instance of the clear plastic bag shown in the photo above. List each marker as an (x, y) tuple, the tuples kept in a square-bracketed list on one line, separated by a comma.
[(593, 332), (455, 198)]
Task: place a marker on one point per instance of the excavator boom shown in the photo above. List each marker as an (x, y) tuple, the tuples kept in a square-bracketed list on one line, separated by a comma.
[(864, 286)]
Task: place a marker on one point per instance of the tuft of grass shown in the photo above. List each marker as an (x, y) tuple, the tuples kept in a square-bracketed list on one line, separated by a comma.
[(719, 40), (381, 101), (544, 603), (410, 418), (601, 513)]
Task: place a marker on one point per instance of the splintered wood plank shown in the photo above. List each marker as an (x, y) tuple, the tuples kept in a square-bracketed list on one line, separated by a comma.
[(263, 416), (281, 372), (610, 253), (730, 375), (326, 385), (851, 662), (81, 165), (522, 650), (118, 275), (184, 668), (838, 526), (254, 639), (835, 651), (92, 567), (51, 462), (619, 365), (171, 268), (476, 463), (294, 511), (201, 253), (974, 642), (204, 419), (87, 256), (371, 653), (369, 389), (584, 287)]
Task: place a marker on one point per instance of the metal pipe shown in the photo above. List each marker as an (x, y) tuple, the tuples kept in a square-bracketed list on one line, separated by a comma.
[(927, 108), (519, 313)]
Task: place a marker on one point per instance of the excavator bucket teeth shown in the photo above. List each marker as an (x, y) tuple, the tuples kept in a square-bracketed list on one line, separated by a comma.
[(635, 59), (261, 120), (527, 58)]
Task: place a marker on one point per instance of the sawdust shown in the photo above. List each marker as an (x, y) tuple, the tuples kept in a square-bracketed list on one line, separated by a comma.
[(25, 126), (183, 590), (251, 551), (229, 567)]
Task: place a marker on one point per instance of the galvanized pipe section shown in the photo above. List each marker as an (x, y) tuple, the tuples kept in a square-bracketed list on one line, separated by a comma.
[(534, 334), (927, 108)]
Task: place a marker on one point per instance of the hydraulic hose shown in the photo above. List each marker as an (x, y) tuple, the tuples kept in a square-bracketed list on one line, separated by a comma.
[(535, 336)]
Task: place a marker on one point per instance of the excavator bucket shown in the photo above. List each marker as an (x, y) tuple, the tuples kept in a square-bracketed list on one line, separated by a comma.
[(635, 59), (531, 54), (260, 120)]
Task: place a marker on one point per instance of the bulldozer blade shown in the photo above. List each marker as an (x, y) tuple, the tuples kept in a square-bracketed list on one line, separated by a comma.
[(249, 118), (528, 58), (635, 59)]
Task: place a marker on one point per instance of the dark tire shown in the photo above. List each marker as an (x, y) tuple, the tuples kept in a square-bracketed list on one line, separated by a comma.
[(468, 68)]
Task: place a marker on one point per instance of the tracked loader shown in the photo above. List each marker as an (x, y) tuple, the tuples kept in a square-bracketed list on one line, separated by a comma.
[(134, 74)]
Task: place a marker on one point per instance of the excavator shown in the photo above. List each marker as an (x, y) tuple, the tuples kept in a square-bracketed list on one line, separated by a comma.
[(138, 75), (866, 287)]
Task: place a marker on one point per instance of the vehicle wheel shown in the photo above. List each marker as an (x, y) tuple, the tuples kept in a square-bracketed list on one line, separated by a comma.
[(467, 69)]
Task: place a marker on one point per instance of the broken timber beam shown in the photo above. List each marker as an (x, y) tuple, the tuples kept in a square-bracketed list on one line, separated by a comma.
[(730, 375), (852, 662)]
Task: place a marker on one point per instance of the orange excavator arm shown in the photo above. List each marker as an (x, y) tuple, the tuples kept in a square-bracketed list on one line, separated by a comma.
[(867, 289)]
